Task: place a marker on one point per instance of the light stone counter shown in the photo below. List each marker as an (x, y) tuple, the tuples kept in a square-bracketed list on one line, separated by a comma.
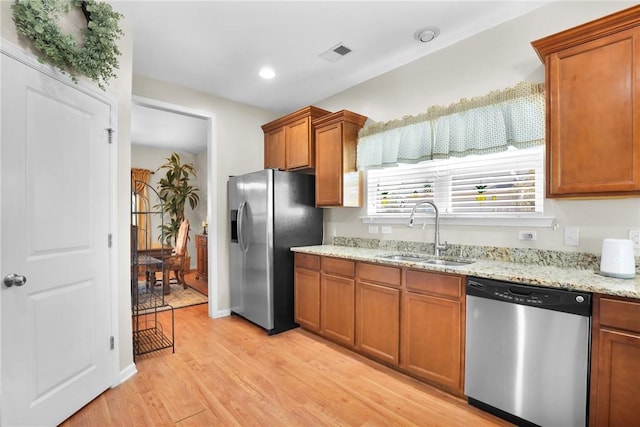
[(533, 274)]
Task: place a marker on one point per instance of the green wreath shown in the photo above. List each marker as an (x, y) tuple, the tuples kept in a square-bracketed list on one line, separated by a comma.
[(97, 58)]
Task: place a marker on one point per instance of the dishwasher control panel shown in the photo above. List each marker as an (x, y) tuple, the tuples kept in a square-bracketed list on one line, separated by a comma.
[(531, 295)]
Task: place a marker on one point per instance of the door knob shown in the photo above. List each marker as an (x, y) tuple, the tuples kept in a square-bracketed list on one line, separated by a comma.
[(14, 280)]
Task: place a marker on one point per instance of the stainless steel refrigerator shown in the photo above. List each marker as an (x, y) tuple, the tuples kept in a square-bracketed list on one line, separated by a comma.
[(270, 211)]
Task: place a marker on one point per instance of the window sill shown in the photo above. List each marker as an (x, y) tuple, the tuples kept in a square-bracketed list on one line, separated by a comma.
[(504, 221)]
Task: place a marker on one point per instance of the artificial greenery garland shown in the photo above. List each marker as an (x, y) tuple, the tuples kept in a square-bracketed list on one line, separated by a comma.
[(96, 58)]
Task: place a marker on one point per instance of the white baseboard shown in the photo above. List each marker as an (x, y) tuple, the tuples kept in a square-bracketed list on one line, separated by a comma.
[(125, 374), (220, 313)]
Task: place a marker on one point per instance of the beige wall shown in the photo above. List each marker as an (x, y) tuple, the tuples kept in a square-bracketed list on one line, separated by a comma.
[(495, 59), (120, 90), (237, 148)]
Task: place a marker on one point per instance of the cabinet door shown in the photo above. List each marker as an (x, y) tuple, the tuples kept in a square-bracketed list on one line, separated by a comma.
[(337, 319), (617, 397), (329, 165), (307, 298), (431, 339), (593, 126), (378, 321), (274, 149), (299, 148)]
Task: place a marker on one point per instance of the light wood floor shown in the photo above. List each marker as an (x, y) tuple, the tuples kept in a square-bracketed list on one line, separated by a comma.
[(228, 372)]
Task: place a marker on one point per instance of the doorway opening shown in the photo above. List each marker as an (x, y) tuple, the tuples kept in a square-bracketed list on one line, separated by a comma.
[(158, 130)]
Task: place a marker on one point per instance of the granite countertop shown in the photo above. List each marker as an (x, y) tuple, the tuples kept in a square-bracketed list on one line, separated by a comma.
[(563, 277)]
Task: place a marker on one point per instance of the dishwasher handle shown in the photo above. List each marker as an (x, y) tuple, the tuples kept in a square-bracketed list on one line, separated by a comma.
[(520, 292)]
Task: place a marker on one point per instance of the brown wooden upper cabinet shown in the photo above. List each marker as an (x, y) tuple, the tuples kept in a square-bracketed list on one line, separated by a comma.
[(289, 141), (593, 98), (338, 182)]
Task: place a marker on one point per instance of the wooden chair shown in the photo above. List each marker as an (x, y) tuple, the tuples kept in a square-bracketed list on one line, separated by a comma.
[(178, 260)]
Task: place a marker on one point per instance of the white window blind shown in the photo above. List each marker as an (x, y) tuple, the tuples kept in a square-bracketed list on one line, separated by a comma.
[(506, 183), (397, 192)]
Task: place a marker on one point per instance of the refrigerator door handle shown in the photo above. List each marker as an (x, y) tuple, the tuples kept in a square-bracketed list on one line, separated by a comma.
[(243, 248)]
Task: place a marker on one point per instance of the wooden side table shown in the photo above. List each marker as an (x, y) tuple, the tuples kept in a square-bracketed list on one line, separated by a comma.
[(202, 268)]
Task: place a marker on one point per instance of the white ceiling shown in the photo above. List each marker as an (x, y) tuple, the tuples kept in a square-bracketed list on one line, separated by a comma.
[(169, 130), (218, 47)]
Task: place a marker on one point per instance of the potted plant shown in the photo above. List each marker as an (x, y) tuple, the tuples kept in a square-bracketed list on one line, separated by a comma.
[(175, 190), (481, 189)]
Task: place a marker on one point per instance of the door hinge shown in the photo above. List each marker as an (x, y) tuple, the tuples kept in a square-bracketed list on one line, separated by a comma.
[(110, 240), (112, 343), (110, 132)]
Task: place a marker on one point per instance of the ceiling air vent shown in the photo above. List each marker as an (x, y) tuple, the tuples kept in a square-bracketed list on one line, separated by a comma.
[(335, 53)]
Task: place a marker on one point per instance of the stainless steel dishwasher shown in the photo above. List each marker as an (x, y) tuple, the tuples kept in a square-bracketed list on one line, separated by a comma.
[(527, 352)]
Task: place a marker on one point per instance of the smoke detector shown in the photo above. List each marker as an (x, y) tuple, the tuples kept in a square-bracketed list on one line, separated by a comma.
[(335, 53), (426, 34)]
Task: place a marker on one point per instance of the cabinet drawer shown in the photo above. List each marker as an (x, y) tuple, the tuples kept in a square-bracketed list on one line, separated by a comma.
[(340, 267), (434, 283), (201, 240), (620, 314), (310, 262), (379, 274)]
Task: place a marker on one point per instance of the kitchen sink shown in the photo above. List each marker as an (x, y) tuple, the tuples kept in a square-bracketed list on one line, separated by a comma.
[(410, 258), (427, 260), (448, 263)]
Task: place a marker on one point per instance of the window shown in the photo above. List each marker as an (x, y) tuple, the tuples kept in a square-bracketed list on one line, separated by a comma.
[(510, 183)]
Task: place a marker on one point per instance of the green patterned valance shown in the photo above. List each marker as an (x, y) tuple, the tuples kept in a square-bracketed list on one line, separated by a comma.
[(487, 124)]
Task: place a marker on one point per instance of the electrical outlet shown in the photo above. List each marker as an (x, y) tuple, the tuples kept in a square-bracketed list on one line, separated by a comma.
[(571, 236), (385, 229), (527, 235), (634, 236), (373, 229)]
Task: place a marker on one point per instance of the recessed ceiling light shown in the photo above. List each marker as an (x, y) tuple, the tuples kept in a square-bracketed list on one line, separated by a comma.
[(426, 34), (267, 73)]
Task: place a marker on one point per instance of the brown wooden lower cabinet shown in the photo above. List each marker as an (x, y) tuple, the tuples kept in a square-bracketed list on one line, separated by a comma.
[(378, 312), (432, 328), (324, 296), (410, 319), (337, 300), (615, 363), (337, 308), (431, 339), (307, 299), (306, 292)]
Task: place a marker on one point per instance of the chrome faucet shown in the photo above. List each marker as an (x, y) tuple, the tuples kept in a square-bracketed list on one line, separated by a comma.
[(436, 238)]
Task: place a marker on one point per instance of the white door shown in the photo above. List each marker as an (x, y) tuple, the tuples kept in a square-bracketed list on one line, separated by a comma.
[(55, 223)]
